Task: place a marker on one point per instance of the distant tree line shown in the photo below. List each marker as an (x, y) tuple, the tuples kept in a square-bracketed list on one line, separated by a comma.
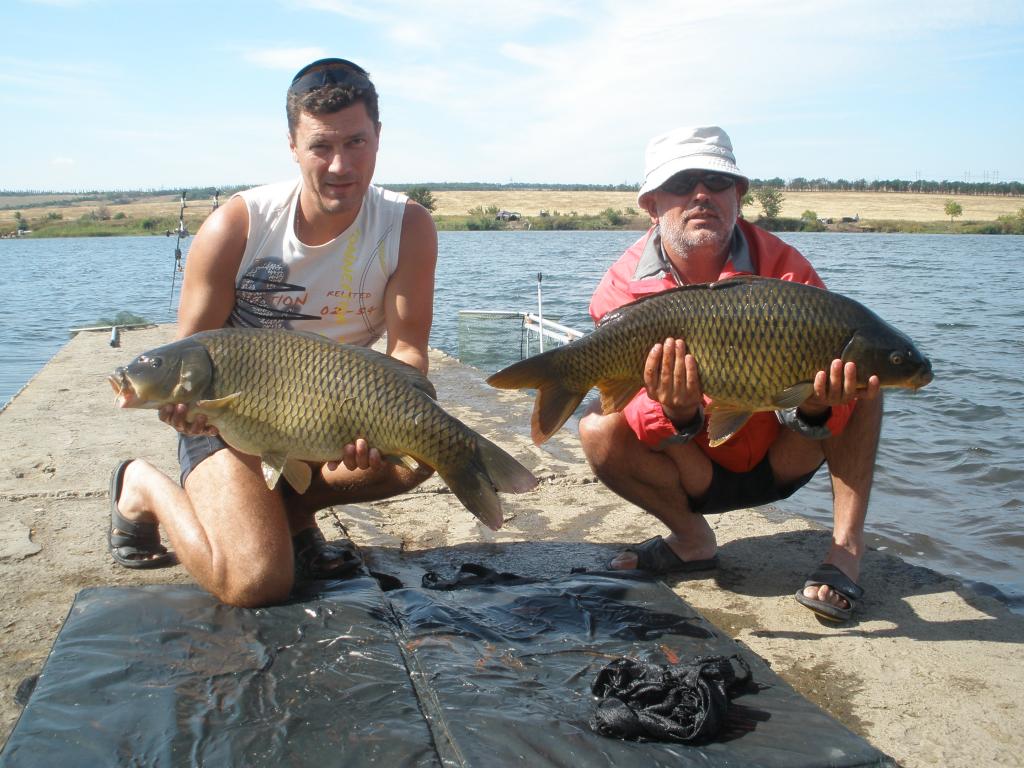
[(800, 184), (482, 186)]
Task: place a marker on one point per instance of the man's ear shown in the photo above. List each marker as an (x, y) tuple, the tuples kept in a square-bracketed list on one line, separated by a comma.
[(291, 146), (648, 204)]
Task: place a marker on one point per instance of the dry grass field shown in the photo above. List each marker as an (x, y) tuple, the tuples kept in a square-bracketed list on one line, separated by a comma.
[(159, 207), (868, 205)]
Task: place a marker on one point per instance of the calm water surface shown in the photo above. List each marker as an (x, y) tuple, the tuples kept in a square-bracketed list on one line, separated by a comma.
[(950, 482)]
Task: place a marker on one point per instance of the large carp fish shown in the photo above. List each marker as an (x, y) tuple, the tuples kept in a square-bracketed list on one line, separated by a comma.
[(758, 343), (291, 397)]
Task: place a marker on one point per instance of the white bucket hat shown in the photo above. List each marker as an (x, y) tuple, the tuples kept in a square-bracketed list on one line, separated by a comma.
[(703, 148)]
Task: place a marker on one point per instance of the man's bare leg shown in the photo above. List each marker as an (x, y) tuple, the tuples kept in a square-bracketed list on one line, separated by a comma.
[(851, 463), (350, 486), (227, 528), (850, 456), (316, 558), (655, 481)]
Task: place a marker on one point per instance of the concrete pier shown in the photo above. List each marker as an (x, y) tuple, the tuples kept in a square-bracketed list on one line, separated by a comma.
[(928, 672)]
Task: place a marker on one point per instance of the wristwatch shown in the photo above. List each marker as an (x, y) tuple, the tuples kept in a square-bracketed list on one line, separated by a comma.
[(686, 432), (813, 428)]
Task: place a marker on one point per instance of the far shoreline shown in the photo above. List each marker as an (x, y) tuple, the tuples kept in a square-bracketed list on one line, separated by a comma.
[(577, 224), (534, 210)]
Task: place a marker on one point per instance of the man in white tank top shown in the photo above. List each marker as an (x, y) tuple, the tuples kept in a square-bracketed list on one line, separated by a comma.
[(328, 253)]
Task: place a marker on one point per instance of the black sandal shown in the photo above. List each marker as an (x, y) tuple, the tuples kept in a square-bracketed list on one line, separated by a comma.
[(133, 544), (830, 576), (316, 559), (657, 557)]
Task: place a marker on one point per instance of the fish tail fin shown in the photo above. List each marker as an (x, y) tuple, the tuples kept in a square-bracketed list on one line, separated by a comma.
[(555, 403), (476, 483)]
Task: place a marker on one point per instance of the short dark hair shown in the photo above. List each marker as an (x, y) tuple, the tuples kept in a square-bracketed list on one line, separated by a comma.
[(327, 86)]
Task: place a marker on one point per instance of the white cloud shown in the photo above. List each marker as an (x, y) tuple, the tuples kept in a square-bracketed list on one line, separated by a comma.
[(525, 54), (58, 161)]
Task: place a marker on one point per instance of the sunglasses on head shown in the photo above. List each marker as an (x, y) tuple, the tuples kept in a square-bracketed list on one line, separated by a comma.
[(329, 72), (684, 183)]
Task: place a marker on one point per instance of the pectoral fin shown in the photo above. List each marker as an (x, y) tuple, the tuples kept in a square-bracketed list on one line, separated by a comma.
[(212, 406), (298, 474), (273, 466), (792, 397), (725, 422)]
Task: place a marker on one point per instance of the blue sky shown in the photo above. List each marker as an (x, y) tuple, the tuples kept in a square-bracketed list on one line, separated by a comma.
[(122, 94)]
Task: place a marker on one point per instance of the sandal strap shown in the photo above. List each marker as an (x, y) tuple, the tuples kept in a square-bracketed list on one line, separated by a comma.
[(830, 576)]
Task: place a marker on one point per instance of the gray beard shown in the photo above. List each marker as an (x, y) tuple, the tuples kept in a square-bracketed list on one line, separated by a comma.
[(683, 242)]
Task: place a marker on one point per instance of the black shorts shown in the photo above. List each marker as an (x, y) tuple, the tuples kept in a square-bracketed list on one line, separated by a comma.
[(193, 449), (739, 490)]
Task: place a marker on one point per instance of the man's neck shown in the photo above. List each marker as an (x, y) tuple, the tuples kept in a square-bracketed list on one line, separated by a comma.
[(698, 265), (316, 227)]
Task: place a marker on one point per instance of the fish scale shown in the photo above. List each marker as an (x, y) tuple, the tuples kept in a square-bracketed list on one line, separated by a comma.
[(758, 343), (293, 397)]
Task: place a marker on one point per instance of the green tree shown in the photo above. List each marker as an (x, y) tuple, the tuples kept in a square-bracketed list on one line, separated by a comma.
[(770, 199), (953, 209), (423, 196)]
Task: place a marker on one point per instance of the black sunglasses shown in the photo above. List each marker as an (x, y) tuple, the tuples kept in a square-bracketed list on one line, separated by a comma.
[(684, 183), (329, 72)]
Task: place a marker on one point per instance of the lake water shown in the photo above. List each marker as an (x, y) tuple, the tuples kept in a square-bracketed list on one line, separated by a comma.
[(949, 490)]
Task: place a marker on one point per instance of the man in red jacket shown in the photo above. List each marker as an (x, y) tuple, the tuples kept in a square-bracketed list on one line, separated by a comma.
[(655, 452)]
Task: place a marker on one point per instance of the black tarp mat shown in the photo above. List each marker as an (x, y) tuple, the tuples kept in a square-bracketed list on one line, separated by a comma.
[(479, 676)]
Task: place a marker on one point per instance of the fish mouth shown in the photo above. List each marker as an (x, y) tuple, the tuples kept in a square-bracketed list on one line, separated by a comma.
[(920, 379), (126, 395)]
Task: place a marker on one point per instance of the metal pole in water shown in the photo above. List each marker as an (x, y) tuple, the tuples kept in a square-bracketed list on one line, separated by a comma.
[(540, 313), (177, 247)]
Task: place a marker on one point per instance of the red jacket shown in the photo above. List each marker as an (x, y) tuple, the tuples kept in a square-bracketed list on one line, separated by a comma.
[(641, 271)]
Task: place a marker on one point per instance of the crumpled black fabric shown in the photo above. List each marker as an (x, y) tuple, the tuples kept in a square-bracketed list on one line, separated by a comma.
[(685, 703), (472, 575)]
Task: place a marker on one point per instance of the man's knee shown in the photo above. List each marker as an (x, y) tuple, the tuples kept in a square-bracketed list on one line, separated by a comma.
[(255, 587), (601, 437)]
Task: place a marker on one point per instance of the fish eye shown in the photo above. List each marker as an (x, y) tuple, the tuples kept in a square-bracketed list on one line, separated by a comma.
[(896, 358), (152, 362)]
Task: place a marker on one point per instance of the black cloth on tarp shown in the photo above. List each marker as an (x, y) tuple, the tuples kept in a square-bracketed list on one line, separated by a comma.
[(685, 702), (490, 675)]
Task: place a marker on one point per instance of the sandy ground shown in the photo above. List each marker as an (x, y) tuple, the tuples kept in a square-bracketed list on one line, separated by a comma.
[(929, 672)]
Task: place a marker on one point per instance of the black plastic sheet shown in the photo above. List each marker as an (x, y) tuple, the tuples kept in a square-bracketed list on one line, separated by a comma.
[(487, 675)]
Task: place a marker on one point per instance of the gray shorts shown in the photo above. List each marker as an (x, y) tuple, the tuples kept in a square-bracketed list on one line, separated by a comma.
[(193, 449), (739, 490)]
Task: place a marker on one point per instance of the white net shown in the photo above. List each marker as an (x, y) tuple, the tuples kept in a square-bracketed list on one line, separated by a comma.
[(491, 340)]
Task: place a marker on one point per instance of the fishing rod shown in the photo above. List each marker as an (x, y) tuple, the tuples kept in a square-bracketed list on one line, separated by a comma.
[(182, 232)]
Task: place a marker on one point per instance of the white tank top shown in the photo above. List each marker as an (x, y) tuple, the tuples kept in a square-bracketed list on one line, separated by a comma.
[(335, 289)]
